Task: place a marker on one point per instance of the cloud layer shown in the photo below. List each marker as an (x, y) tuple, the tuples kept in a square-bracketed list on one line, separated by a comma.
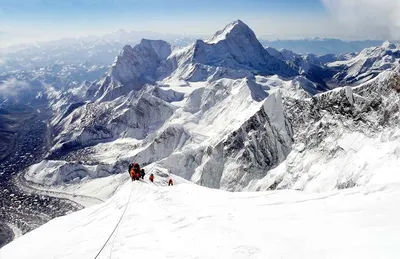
[(368, 18), (12, 87)]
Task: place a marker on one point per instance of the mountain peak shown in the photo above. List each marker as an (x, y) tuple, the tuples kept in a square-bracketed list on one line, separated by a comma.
[(389, 45), (237, 47), (234, 28)]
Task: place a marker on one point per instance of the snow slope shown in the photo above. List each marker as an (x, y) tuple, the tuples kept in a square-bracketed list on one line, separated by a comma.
[(188, 221)]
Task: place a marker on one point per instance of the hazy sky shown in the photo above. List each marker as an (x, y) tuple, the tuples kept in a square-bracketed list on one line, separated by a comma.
[(347, 19)]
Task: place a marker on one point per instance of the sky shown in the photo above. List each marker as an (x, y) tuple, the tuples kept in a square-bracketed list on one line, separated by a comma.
[(25, 20)]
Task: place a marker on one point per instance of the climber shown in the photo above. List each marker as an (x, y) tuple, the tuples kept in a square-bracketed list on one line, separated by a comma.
[(137, 174), (151, 178), (134, 171), (142, 174), (170, 182)]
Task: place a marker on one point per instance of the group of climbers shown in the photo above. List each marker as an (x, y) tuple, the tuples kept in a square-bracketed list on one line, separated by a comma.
[(136, 174)]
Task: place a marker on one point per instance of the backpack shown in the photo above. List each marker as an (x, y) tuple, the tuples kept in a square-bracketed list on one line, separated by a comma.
[(133, 165)]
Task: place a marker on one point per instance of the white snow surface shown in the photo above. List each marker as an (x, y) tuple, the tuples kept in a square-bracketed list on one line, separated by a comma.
[(189, 221)]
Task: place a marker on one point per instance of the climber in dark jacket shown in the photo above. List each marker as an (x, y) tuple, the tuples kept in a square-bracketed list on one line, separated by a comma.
[(142, 174)]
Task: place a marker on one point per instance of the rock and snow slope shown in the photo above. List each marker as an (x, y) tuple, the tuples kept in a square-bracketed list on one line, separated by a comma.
[(223, 138), (343, 138), (188, 221)]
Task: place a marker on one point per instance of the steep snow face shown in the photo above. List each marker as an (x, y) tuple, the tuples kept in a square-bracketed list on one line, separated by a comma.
[(187, 221), (367, 64), (133, 68), (261, 143)]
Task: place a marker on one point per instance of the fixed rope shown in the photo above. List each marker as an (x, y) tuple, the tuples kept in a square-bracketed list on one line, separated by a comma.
[(117, 225)]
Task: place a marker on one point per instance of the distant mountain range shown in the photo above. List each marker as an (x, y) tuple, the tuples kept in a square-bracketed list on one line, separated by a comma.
[(321, 46), (119, 38)]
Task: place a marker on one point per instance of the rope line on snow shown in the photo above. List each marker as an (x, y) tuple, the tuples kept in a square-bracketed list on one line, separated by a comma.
[(117, 225)]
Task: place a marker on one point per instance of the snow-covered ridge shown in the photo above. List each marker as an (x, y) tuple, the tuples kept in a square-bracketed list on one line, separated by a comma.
[(188, 221), (232, 29)]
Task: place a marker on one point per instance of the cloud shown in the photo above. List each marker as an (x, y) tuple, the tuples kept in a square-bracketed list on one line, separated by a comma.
[(12, 87), (367, 18)]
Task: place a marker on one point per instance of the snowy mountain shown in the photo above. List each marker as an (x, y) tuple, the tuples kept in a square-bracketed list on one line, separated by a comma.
[(330, 71), (134, 68), (366, 65), (234, 48), (237, 47), (228, 114), (209, 112)]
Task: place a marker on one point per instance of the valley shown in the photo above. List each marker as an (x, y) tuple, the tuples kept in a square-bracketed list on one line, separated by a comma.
[(24, 143)]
